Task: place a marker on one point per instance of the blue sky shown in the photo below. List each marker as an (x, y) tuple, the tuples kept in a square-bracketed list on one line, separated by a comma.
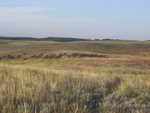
[(123, 19)]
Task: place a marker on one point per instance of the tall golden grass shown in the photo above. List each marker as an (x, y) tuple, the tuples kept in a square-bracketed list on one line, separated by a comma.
[(39, 86)]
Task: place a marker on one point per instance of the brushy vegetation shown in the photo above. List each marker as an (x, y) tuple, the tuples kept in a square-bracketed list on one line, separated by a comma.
[(89, 77)]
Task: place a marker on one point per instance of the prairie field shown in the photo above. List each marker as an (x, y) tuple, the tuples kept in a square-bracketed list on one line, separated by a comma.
[(109, 76)]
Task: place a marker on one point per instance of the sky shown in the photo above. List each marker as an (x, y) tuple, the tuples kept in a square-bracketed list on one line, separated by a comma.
[(119, 19)]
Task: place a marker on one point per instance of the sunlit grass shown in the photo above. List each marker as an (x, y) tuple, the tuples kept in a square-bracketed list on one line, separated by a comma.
[(119, 83)]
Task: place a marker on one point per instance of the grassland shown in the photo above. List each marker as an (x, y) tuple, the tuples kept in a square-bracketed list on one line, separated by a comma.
[(74, 77)]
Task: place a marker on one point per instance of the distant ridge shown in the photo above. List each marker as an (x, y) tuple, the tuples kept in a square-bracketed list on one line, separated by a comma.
[(57, 39)]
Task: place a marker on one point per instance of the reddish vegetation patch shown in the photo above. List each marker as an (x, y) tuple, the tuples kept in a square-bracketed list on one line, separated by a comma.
[(139, 63), (94, 62), (142, 63)]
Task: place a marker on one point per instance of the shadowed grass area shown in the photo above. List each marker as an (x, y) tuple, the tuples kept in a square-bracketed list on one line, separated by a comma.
[(89, 77)]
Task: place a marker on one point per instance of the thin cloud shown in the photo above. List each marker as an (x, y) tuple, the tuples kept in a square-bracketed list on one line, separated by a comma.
[(34, 21)]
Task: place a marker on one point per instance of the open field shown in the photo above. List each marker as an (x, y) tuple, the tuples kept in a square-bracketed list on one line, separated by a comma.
[(74, 77)]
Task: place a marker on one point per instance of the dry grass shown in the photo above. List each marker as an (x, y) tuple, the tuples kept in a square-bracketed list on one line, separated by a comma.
[(119, 83)]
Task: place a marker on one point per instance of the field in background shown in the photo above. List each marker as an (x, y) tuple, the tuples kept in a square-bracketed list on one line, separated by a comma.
[(74, 77)]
